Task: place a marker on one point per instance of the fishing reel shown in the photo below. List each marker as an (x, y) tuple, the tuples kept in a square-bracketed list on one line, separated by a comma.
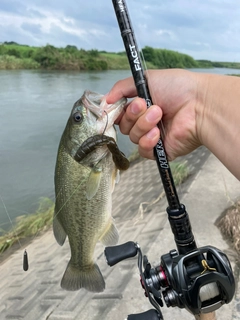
[(200, 281)]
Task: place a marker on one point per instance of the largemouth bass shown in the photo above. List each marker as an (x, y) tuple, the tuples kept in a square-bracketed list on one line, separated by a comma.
[(85, 176)]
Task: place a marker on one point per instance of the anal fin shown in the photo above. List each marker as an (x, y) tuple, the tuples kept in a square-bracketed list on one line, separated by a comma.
[(110, 236)]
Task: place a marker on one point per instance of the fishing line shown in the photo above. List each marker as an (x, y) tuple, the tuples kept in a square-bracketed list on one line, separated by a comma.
[(25, 255), (74, 191), (106, 122), (5, 208)]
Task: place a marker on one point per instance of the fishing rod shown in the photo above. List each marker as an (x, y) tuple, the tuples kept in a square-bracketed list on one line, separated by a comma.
[(184, 240), (198, 279)]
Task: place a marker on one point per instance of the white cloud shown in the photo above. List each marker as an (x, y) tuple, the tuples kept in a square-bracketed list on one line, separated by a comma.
[(164, 33), (204, 29), (46, 21)]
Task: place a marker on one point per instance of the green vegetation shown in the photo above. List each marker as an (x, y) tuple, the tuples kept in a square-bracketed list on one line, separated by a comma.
[(180, 171), (115, 61), (16, 56), (11, 62), (162, 59), (215, 64), (28, 226), (235, 75)]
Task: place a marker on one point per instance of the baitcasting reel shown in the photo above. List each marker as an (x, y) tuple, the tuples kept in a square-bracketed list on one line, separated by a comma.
[(200, 281)]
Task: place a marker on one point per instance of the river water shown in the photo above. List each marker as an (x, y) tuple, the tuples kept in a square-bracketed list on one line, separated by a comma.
[(34, 108)]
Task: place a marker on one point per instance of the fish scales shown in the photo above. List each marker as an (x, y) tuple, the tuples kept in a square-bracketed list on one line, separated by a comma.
[(83, 190)]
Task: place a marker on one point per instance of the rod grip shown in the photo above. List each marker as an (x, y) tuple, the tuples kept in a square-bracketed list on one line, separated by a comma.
[(182, 230)]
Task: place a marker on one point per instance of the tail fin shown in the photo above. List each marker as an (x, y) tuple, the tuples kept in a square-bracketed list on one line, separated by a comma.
[(91, 279)]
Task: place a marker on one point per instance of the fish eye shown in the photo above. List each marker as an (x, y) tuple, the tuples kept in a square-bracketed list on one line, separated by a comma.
[(77, 116)]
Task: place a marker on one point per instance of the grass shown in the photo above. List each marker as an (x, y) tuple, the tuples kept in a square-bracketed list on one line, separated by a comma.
[(119, 61), (180, 172), (12, 63), (29, 226), (114, 60)]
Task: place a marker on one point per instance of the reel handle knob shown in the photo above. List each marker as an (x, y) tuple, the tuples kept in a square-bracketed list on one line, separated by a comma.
[(148, 315), (121, 252)]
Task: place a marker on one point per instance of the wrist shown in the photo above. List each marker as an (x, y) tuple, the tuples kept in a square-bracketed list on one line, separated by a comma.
[(218, 118), (203, 107)]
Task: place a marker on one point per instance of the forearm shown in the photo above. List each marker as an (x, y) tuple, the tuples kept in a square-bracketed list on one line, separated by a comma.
[(218, 118)]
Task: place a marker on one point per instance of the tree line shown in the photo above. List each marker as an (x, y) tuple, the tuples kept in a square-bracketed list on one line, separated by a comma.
[(16, 56), (50, 57)]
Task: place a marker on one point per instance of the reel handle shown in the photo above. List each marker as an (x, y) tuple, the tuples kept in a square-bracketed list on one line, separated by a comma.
[(115, 254), (148, 315)]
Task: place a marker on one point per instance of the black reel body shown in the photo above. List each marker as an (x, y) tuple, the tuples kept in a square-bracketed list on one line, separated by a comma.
[(200, 281)]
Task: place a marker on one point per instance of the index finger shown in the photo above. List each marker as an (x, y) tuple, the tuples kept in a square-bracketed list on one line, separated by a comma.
[(123, 88)]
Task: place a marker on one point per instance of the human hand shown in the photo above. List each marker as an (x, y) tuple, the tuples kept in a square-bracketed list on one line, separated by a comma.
[(174, 94)]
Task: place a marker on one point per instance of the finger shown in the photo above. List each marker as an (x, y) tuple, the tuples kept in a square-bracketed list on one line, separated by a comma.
[(123, 88), (148, 142), (146, 122), (132, 113)]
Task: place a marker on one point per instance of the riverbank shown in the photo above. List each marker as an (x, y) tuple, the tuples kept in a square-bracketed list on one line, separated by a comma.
[(16, 56)]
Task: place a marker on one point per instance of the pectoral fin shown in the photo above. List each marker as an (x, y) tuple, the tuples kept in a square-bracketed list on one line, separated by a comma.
[(115, 178), (58, 231), (93, 182)]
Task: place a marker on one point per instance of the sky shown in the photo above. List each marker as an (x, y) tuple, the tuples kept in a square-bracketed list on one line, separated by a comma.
[(204, 29)]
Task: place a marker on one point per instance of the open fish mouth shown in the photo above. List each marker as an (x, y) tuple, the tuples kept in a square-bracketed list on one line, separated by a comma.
[(97, 104)]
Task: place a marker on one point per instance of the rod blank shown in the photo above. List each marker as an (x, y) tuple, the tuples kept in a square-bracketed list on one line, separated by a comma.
[(136, 66)]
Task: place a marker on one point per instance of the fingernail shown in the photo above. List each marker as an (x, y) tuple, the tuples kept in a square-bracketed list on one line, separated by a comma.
[(135, 108), (153, 114), (152, 133)]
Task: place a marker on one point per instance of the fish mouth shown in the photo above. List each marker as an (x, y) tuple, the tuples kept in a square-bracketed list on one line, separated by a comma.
[(97, 104)]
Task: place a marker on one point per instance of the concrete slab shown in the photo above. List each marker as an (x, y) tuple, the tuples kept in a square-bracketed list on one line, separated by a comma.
[(36, 294)]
